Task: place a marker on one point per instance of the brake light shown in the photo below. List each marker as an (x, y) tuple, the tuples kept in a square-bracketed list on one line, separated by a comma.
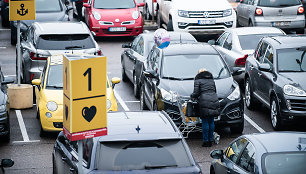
[(300, 10), (99, 52), (32, 75), (34, 56), (241, 61), (6, 1), (258, 12), (154, 0)]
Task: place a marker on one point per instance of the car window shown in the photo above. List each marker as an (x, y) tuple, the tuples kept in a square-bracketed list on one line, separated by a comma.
[(228, 42), (48, 6), (261, 51), (111, 4), (87, 149), (222, 38), (140, 46), (247, 158), (42, 78), (233, 151), (250, 41), (278, 3), (65, 41), (134, 43), (149, 58), (144, 155), (293, 59), (155, 59), (268, 58)]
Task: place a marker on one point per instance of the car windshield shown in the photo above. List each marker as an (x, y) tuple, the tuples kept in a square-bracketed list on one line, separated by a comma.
[(48, 6), (291, 60), (124, 156), (249, 42), (65, 41), (284, 163), (187, 66), (278, 3), (114, 4), (55, 76)]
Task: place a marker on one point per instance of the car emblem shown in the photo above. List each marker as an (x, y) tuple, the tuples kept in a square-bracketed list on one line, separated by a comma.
[(205, 14), (280, 12), (116, 20)]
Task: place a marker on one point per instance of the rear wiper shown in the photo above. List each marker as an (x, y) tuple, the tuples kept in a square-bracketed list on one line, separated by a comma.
[(159, 167), (53, 86), (73, 47)]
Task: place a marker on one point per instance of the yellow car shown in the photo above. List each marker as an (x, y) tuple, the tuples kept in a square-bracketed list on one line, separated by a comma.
[(49, 95)]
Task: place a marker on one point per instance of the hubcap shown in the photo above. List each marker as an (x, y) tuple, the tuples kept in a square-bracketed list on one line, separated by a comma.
[(247, 94), (273, 113)]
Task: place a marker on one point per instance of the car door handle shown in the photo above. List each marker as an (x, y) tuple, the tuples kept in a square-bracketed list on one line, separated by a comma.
[(71, 169), (64, 159)]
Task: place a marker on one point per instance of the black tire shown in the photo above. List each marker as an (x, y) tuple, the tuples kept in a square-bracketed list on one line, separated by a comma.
[(212, 171), (4, 22), (251, 24), (300, 31), (42, 133), (159, 21), (135, 87), (170, 25), (142, 104), (237, 129), (250, 101), (276, 122), (7, 137), (124, 77), (148, 16), (37, 113), (13, 35)]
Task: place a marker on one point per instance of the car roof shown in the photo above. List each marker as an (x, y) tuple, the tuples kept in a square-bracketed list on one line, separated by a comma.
[(56, 60), (280, 141), (139, 125), (288, 41), (184, 36), (255, 30), (61, 28), (189, 48)]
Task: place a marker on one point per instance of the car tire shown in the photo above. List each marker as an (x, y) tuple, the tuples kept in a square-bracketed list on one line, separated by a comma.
[(300, 31), (250, 101), (4, 22), (238, 128), (42, 133), (159, 20), (135, 87), (124, 77), (275, 115), (170, 25), (148, 16), (251, 24), (143, 105), (54, 171), (212, 171), (13, 36), (7, 137), (37, 113)]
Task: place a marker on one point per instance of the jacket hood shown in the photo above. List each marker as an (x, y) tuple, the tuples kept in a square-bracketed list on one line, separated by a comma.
[(204, 75)]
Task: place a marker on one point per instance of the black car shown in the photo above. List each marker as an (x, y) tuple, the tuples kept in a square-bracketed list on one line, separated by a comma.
[(46, 11), (266, 153), (168, 82), (132, 59), (275, 76), (4, 108), (136, 142)]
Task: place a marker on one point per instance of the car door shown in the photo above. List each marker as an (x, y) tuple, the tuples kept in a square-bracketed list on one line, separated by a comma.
[(231, 158), (241, 12), (137, 57), (61, 155), (88, 12), (128, 58)]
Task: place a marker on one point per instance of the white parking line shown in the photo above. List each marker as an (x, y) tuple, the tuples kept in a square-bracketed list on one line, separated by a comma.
[(248, 119), (22, 126), (122, 103)]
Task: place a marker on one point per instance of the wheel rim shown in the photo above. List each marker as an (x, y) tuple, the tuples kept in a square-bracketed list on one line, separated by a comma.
[(247, 93), (274, 113)]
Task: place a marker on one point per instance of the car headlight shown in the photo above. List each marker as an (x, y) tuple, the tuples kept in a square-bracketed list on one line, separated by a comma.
[(183, 13), (294, 91), (135, 15), (227, 12), (2, 108), (235, 94), (108, 104), (52, 106), (96, 15), (169, 96)]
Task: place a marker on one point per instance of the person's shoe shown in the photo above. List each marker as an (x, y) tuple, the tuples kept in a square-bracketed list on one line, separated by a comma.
[(210, 143), (205, 144)]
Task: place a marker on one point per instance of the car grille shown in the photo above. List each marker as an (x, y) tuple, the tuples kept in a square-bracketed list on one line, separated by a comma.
[(210, 26), (298, 105), (205, 14), (106, 31)]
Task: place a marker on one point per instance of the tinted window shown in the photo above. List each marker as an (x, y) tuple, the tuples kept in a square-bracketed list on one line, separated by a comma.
[(228, 42), (291, 60), (249, 42), (233, 151), (62, 42), (261, 51), (284, 163), (114, 4), (222, 38), (140, 46), (268, 58), (247, 158), (142, 155), (43, 73), (55, 76), (48, 6), (187, 66), (278, 3), (87, 149)]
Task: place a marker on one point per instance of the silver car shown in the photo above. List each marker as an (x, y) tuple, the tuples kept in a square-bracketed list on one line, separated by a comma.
[(236, 44), (284, 14), (44, 39)]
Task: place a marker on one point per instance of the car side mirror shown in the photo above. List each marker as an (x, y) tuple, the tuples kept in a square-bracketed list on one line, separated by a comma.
[(217, 154), (8, 80), (237, 71), (115, 80), (36, 82), (127, 45), (264, 67), (142, 4), (86, 5), (7, 163), (211, 42), (150, 74)]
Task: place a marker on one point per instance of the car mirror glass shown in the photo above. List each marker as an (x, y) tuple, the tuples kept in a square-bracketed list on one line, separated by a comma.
[(237, 71), (216, 154)]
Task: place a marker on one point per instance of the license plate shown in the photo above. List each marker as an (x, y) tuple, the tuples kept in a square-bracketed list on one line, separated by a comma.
[(114, 29), (206, 22), (281, 23)]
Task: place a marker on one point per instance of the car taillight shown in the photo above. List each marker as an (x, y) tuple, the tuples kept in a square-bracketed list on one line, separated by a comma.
[(34, 56), (6, 1), (300, 10), (32, 75), (99, 52), (154, 0), (258, 12), (241, 61)]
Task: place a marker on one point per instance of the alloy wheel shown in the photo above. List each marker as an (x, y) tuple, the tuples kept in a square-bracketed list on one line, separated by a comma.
[(247, 93), (274, 119)]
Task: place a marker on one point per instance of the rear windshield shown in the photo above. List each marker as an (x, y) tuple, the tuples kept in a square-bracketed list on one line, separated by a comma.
[(291, 60), (62, 42), (114, 4), (278, 3), (48, 6), (249, 42), (118, 156), (284, 163)]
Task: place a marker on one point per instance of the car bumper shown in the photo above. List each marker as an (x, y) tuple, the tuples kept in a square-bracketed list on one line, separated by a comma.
[(132, 30), (299, 22), (53, 124), (4, 124), (293, 108)]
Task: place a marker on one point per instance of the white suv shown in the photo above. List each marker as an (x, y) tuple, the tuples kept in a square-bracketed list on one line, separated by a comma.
[(196, 16)]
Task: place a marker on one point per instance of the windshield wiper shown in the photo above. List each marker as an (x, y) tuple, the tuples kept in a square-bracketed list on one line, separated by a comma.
[(159, 166), (54, 86), (73, 47)]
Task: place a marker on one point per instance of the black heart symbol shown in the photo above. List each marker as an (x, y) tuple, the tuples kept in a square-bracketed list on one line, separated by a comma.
[(89, 113), (66, 111)]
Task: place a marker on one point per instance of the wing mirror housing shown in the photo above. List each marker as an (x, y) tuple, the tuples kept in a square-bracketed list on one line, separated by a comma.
[(36, 82), (264, 67), (86, 5), (142, 4), (150, 74), (237, 71), (115, 80), (211, 42), (7, 163), (127, 45), (217, 154)]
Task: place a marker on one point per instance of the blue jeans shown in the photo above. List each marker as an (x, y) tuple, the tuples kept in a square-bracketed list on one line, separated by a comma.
[(208, 128)]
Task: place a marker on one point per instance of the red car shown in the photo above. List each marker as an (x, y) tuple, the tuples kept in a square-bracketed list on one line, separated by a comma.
[(114, 17)]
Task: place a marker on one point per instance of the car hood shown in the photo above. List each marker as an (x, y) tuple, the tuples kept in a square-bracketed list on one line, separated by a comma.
[(111, 15), (185, 87), (200, 5), (43, 17), (295, 79), (54, 95)]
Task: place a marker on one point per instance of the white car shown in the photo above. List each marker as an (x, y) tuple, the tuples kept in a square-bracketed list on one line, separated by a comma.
[(196, 16)]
